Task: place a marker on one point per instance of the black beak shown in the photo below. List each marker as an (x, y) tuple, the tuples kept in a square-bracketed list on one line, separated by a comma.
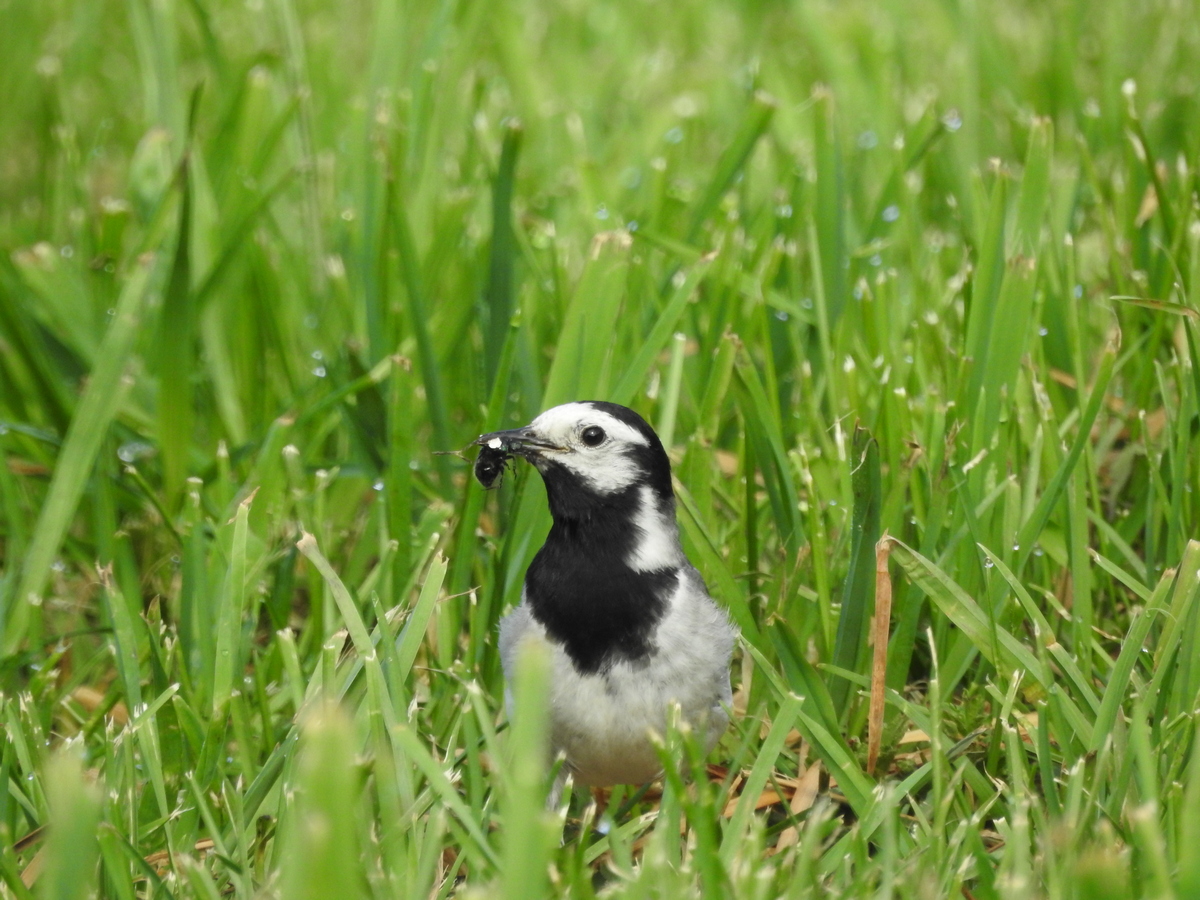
[(517, 441)]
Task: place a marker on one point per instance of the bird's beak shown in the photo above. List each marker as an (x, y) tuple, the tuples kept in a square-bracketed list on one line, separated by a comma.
[(517, 441)]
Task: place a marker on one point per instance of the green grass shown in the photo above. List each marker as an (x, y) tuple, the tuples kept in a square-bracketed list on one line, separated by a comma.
[(929, 267)]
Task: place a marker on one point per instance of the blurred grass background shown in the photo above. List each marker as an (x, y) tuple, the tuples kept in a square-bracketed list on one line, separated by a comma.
[(928, 267)]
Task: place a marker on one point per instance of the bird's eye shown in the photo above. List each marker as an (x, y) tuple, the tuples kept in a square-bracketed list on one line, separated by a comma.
[(593, 435)]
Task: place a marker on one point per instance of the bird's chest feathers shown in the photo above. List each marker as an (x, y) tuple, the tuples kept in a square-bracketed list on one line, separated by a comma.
[(601, 583)]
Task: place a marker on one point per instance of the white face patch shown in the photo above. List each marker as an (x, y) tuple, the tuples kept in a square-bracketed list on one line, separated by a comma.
[(605, 468)]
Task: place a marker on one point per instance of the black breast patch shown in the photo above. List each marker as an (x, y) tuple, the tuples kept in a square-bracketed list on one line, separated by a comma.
[(600, 613), (580, 588)]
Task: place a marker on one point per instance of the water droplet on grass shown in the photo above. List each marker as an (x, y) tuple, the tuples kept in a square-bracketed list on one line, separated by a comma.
[(133, 451)]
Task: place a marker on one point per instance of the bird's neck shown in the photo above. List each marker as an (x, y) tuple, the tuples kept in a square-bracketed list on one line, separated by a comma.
[(636, 526)]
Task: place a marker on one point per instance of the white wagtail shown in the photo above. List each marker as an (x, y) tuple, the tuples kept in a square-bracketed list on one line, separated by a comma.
[(628, 620)]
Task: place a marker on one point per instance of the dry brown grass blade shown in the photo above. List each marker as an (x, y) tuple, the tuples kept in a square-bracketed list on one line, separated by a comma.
[(92, 699), (883, 618), (802, 799), (33, 870)]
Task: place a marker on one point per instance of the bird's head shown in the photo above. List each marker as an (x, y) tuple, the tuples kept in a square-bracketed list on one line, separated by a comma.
[(588, 452)]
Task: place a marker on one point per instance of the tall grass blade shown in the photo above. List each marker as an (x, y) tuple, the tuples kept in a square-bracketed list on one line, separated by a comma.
[(322, 846), (498, 296), (176, 337), (858, 594), (229, 647), (97, 408), (528, 827), (71, 848)]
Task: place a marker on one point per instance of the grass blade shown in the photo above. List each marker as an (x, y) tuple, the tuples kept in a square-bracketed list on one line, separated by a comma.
[(97, 408), (322, 839), (71, 849), (858, 594)]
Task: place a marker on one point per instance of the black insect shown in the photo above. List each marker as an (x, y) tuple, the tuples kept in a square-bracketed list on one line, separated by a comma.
[(493, 458)]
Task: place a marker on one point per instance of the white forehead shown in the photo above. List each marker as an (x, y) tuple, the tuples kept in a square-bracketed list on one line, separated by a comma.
[(565, 422)]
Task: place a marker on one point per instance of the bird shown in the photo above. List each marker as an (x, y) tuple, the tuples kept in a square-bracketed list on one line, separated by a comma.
[(628, 621)]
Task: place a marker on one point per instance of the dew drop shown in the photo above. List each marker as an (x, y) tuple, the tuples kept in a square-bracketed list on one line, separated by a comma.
[(891, 213), (132, 451)]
